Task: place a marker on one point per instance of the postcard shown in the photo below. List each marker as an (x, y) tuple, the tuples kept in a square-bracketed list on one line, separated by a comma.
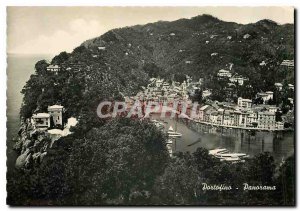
[(150, 106)]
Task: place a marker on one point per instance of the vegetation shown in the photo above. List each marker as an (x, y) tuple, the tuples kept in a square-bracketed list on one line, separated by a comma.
[(125, 161)]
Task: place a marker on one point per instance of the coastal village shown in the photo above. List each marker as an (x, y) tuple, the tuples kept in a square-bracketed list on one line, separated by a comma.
[(243, 114)]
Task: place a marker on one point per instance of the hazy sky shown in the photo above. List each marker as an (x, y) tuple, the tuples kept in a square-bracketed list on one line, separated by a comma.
[(50, 30)]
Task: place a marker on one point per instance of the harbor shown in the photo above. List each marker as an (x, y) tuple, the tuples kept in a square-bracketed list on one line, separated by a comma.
[(279, 143)]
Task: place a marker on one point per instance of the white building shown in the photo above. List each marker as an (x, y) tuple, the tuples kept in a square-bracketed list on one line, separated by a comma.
[(265, 95), (266, 120), (278, 86), (224, 73), (291, 86), (287, 63), (238, 79), (206, 93), (245, 103), (53, 68), (56, 113), (41, 120)]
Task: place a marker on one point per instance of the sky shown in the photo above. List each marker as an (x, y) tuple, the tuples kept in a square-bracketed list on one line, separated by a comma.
[(50, 30)]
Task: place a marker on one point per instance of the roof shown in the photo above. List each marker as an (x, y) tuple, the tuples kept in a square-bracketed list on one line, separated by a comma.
[(55, 107), (53, 66), (215, 113), (41, 115), (55, 132), (223, 71), (262, 93), (267, 113), (246, 100), (204, 107)]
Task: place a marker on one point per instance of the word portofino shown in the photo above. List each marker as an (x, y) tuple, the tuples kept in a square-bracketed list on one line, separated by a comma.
[(180, 109)]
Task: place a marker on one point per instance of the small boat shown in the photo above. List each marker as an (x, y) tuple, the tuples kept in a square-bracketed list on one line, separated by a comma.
[(231, 159), (173, 133), (217, 151), (169, 141), (231, 155)]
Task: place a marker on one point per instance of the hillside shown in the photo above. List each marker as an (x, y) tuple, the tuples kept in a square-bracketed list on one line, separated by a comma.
[(185, 46), (126, 162), (122, 60)]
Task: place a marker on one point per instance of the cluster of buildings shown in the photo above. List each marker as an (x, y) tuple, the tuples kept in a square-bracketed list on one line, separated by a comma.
[(52, 122), (160, 90), (233, 78), (279, 86), (43, 120), (243, 115)]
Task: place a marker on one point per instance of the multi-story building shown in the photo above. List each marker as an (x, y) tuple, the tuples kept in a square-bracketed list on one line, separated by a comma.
[(245, 103), (265, 95), (56, 112), (238, 79), (266, 120), (224, 73), (202, 111), (288, 63), (41, 120)]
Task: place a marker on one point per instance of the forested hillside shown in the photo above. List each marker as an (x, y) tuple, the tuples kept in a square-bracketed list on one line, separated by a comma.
[(124, 161)]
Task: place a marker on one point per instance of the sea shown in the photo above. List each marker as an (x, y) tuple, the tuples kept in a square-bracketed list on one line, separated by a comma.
[(279, 144), (19, 69)]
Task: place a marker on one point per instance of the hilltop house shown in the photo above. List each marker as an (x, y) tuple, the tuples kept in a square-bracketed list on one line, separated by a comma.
[(56, 113), (53, 68), (288, 63), (224, 73), (43, 120), (238, 79)]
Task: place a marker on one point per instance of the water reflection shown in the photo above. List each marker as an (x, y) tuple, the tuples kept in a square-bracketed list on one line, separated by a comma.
[(279, 144)]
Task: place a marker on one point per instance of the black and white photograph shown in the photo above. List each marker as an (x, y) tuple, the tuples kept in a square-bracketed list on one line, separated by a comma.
[(150, 106)]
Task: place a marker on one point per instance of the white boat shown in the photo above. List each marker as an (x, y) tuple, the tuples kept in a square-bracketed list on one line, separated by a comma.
[(217, 151), (231, 155), (169, 148), (169, 141), (231, 159), (173, 133)]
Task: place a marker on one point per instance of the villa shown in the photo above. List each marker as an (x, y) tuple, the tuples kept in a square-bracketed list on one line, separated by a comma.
[(224, 73), (53, 68), (42, 121)]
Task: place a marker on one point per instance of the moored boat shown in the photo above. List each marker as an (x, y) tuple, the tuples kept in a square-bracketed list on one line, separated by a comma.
[(173, 133)]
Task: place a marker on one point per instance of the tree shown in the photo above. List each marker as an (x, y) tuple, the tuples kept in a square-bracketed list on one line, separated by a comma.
[(112, 164)]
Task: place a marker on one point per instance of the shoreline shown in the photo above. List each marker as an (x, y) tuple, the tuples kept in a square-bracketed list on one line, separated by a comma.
[(239, 127)]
